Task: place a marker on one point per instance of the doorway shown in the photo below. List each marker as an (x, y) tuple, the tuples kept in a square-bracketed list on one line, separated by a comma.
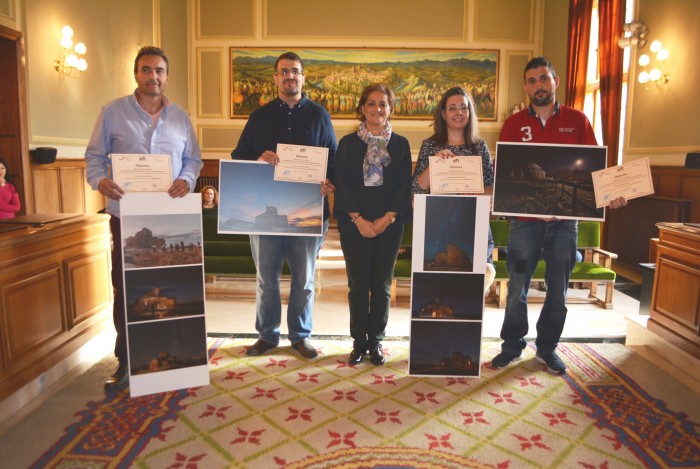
[(13, 116)]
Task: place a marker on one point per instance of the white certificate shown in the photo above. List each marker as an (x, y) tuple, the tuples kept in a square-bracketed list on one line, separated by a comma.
[(456, 175), (629, 180), (141, 173), (301, 163)]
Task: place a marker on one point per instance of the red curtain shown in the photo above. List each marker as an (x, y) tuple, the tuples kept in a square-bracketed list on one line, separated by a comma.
[(577, 52), (612, 17)]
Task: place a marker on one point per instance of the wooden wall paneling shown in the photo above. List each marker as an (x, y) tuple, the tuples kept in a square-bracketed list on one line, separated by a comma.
[(72, 195), (681, 183), (88, 284), (47, 189), (34, 308)]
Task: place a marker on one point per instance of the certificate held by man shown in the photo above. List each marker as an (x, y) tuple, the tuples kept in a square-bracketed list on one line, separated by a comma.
[(142, 173), (300, 163), (456, 175), (629, 180)]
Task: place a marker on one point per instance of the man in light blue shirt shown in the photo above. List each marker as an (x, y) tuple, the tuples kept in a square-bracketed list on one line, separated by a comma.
[(145, 122)]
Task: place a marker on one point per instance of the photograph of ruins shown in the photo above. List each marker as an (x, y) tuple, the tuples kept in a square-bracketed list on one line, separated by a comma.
[(447, 296), (161, 240), (547, 180), (252, 202), (449, 234), (166, 345), (153, 294), (459, 353)]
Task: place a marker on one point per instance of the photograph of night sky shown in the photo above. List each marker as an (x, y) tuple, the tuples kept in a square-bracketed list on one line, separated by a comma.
[(153, 294), (450, 223), (447, 296), (167, 345), (445, 348), (547, 180)]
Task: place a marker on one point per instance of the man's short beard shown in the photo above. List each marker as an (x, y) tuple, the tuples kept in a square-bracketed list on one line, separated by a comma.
[(548, 99)]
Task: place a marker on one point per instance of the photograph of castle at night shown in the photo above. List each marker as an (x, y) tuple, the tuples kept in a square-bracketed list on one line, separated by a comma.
[(167, 345), (447, 296), (153, 294), (252, 202), (450, 224), (458, 353), (161, 240), (547, 180)]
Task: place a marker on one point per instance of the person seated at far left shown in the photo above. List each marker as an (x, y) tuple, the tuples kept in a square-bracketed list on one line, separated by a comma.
[(9, 198)]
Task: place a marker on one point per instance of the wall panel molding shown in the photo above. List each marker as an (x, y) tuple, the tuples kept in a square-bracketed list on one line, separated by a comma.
[(210, 76)]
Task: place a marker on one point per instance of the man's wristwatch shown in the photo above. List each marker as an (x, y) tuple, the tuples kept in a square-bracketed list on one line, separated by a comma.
[(353, 219), (393, 219)]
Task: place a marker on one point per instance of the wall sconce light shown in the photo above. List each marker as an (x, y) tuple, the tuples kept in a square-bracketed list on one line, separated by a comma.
[(654, 75), (71, 60), (635, 35)]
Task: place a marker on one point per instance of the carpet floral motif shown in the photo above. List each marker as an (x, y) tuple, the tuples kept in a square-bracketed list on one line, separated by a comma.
[(280, 410)]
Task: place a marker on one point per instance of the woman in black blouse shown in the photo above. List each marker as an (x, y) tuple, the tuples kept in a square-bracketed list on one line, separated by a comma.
[(372, 200)]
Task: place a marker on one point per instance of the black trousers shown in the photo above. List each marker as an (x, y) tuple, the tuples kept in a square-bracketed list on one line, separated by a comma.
[(119, 308), (369, 263)]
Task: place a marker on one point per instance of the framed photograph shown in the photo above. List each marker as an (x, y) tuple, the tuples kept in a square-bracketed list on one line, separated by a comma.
[(161, 240), (166, 331), (251, 201), (167, 355), (445, 348), (335, 78), (447, 296), (450, 233), (173, 292), (545, 180)]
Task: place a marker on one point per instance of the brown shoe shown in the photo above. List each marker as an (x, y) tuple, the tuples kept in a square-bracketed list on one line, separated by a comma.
[(259, 347), (305, 348)]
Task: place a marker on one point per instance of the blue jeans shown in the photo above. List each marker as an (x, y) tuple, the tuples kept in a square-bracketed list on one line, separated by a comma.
[(556, 242), (269, 254)]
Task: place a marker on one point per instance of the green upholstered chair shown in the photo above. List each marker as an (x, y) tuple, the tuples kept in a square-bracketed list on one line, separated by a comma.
[(402, 267), (226, 254), (593, 270)]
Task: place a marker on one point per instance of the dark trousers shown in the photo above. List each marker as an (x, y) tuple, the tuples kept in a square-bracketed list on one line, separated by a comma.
[(369, 263), (119, 308)]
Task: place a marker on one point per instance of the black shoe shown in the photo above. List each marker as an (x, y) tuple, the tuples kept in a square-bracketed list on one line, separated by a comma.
[(376, 355), (504, 359), (118, 380), (259, 347), (305, 348), (356, 356)]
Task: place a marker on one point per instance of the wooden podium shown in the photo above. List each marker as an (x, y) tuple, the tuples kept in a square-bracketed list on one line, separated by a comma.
[(55, 291), (675, 304)]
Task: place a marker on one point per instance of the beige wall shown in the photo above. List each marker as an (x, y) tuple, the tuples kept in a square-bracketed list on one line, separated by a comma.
[(664, 124), (198, 34), (509, 26)]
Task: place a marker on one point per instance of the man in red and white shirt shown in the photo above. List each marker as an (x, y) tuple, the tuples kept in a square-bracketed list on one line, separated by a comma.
[(544, 121)]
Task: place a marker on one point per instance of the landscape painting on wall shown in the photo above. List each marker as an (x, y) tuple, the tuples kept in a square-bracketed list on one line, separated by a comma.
[(335, 78)]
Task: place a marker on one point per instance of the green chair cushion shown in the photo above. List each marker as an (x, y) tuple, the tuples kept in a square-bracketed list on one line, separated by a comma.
[(402, 268), (227, 248), (582, 271), (226, 265)]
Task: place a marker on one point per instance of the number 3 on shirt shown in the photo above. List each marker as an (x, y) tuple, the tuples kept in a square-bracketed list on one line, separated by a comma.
[(528, 133)]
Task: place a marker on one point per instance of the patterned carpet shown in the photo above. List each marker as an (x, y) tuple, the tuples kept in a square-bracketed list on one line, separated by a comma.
[(279, 410)]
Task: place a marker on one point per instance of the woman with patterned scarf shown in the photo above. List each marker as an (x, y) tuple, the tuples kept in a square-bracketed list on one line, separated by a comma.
[(372, 201)]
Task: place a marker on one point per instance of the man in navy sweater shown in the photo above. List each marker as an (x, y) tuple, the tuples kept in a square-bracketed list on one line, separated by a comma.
[(294, 119)]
